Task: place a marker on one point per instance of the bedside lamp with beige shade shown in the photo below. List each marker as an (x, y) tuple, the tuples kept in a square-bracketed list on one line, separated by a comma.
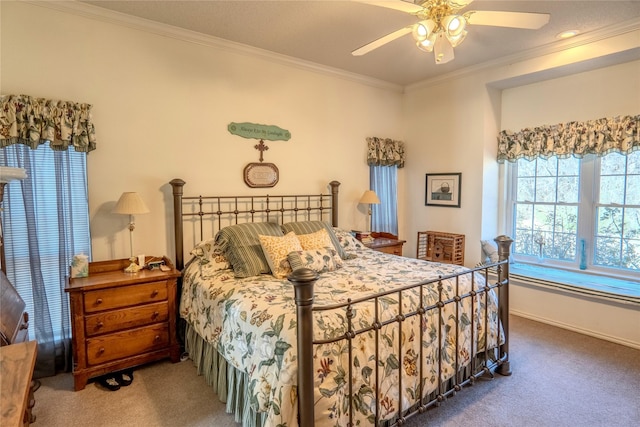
[(369, 198), (130, 203)]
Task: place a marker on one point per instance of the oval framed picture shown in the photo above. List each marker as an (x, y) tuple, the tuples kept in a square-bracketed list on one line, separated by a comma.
[(258, 175)]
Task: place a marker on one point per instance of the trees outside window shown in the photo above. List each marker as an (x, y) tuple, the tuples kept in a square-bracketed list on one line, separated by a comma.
[(577, 212)]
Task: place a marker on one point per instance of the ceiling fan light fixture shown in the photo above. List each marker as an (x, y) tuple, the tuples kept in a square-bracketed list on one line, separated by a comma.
[(455, 41), (425, 45), (454, 25), (442, 49), (422, 30)]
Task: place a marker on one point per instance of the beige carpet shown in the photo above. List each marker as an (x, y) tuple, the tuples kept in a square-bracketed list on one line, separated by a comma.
[(560, 378)]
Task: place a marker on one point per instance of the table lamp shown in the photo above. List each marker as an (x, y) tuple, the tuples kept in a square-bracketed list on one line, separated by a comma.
[(130, 203), (370, 198), (7, 174)]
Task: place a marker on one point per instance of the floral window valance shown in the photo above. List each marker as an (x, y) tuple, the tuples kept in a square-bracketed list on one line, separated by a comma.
[(385, 152), (35, 121), (602, 136)]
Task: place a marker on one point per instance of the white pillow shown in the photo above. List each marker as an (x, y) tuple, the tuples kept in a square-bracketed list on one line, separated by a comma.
[(490, 251)]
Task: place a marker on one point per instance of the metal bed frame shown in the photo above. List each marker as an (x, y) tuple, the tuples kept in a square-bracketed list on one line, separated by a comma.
[(206, 215)]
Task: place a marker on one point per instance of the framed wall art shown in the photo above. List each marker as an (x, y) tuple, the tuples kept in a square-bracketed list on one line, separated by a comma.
[(443, 189)]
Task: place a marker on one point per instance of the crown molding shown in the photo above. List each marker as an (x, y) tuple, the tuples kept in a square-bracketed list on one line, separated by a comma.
[(117, 18), (551, 48)]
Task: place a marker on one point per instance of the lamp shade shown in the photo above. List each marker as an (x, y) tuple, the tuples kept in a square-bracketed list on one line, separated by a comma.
[(130, 203), (9, 173), (369, 197)]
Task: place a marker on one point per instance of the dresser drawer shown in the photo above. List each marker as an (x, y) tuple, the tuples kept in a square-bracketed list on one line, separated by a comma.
[(125, 296), (394, 250), (126, 318), (133, 342)]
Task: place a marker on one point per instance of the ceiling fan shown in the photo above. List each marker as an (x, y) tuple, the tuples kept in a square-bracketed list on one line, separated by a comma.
[(443, 24)]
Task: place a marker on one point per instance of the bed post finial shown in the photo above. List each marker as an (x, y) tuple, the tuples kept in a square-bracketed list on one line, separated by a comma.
[(504, 249), (177, 185), (303, 280), (334, 202)]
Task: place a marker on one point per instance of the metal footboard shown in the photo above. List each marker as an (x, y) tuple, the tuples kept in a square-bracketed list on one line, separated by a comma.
[(482, 362)]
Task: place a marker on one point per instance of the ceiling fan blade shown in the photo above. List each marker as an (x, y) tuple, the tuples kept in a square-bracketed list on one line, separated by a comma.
[(400, 5), (527, 20), (459, 4), (382, 41)]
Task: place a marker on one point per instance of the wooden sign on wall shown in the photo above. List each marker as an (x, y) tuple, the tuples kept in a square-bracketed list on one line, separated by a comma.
[(257, 131), (260, 174)]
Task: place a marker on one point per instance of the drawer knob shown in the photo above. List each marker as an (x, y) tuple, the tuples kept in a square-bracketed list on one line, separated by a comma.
[(154, 293), (99, 301), (155, 315), (156, 338), (100, 325), (100, 351)]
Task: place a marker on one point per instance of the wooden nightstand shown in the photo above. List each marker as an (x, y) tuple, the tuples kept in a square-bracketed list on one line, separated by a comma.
[(385, 242), (120, 320)]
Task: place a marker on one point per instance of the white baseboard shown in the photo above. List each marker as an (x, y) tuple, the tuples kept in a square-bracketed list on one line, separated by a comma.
[(617, 340)]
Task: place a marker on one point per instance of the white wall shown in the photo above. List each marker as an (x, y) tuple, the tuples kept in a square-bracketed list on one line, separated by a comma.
[(161, 107), (605, 92), (445, 133)]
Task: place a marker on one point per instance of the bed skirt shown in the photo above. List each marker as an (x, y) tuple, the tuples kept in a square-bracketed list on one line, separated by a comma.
[(228, 382)]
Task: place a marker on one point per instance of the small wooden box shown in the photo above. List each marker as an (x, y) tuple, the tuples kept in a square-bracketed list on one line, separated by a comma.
[(441, 247)]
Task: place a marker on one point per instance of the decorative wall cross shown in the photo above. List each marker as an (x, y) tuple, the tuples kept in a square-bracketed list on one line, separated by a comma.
[(261, 147)]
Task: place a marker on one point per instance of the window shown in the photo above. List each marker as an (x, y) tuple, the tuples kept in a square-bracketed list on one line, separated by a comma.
[(578, 213), (384, 181), (45, 222), (617, 239)]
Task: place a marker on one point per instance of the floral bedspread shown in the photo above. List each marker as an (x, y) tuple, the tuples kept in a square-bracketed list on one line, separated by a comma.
[(252, 323)]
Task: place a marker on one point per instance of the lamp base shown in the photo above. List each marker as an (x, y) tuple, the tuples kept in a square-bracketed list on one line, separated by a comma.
[(133, 267)]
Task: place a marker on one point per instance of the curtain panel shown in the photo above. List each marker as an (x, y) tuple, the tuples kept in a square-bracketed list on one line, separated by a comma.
[(385, 152), (600, 137), (35, 121)]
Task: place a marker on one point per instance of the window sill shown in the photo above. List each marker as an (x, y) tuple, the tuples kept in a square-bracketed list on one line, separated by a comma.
[(620, 290)]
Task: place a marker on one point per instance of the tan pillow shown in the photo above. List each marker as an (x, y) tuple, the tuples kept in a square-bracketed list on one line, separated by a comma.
[(317, 240), (276, 250)]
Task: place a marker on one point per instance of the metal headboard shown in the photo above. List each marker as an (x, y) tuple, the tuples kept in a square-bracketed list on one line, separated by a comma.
[(197, 218)]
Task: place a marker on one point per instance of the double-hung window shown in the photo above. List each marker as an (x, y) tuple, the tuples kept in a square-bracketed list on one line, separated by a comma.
[(577, 213), (384, 181)]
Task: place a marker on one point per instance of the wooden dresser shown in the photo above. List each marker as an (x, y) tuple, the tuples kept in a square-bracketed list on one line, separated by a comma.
[(385, 242), (120, 320)]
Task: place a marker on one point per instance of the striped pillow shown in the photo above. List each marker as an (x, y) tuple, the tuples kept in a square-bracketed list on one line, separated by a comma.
[(307, 227), (241, 246)]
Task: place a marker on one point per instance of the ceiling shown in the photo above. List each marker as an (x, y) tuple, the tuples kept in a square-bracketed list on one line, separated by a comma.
[(325, 32)]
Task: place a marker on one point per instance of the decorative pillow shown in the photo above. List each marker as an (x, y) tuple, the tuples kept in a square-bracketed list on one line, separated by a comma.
[(210, 254), (347, 241), (276, 250), (307, 227), (316, 240), (319, 260), (241, 246), (209, 257), (490, 251)]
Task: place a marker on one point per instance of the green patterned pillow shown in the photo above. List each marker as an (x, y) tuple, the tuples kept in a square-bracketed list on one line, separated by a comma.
[(318, 260), (241, 246), (308, 227)]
